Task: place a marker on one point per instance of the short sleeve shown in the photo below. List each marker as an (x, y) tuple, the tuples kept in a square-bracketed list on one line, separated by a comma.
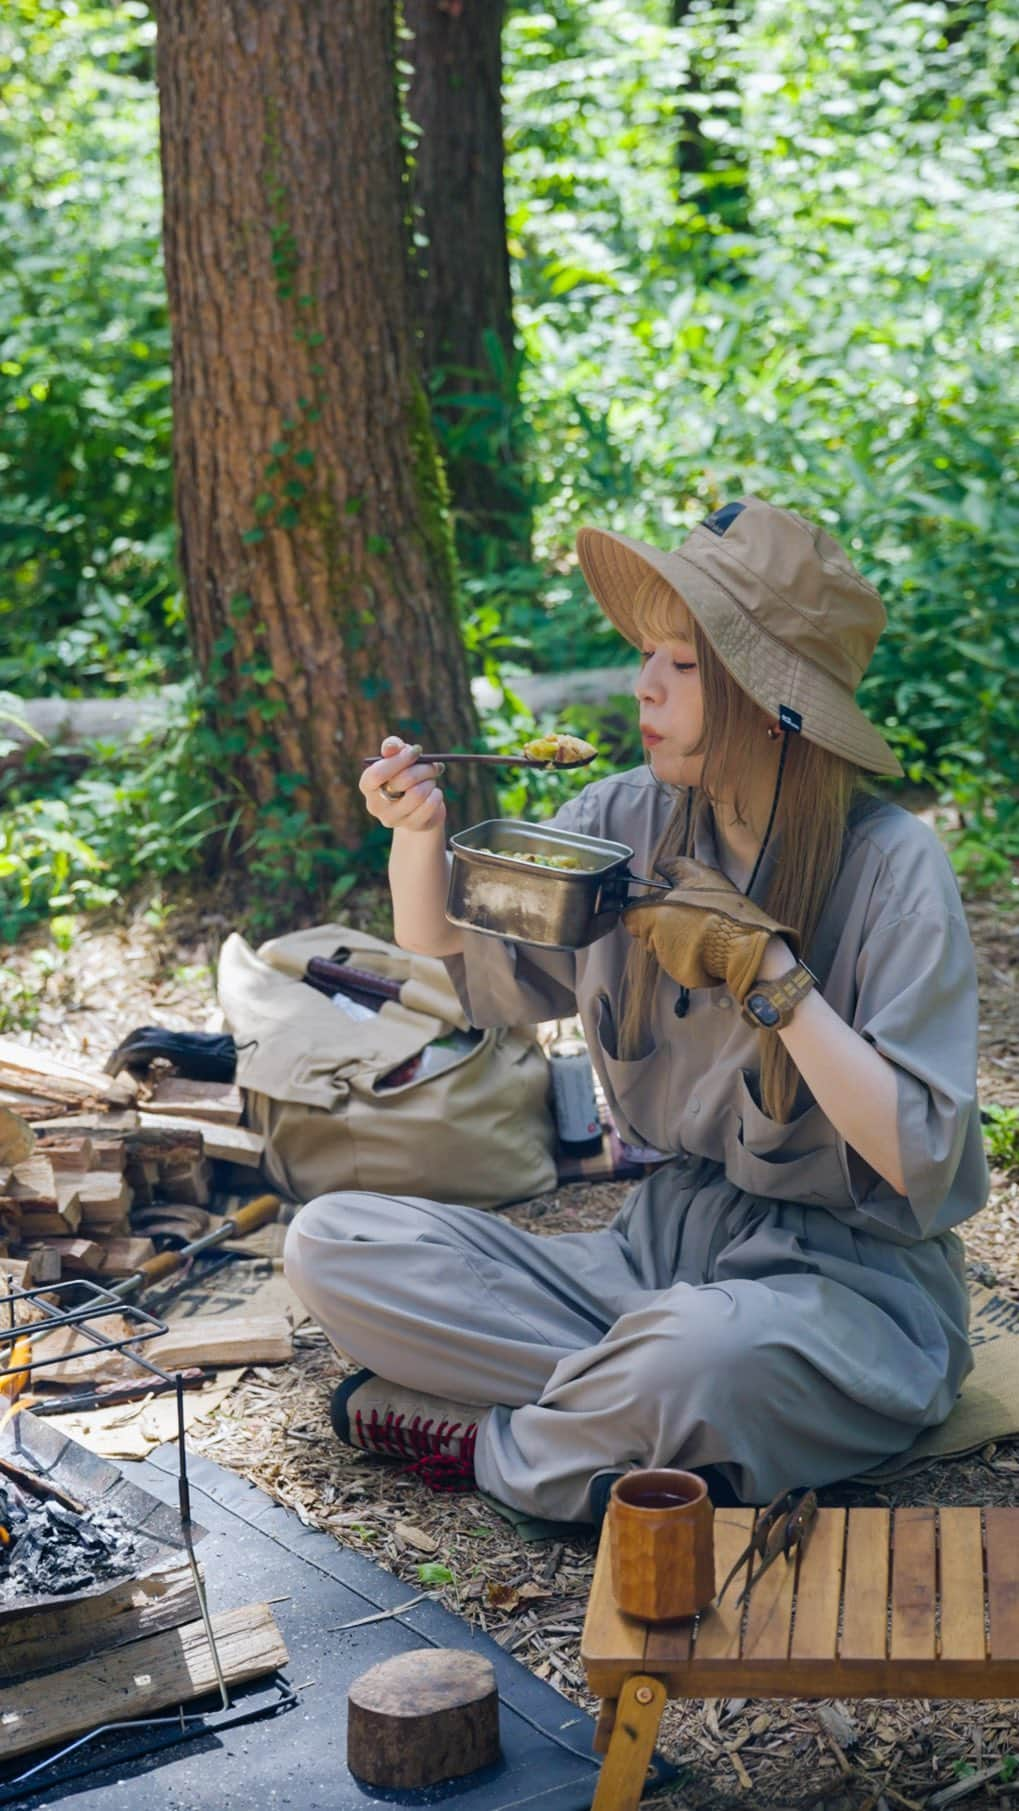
[(917, 1004), (505, 983)]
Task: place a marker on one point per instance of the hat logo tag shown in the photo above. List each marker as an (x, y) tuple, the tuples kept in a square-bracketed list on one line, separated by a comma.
[(720, 520), (788, 718)]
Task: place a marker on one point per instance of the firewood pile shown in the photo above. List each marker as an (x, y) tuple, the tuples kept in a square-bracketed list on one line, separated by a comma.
[(93, 1167)]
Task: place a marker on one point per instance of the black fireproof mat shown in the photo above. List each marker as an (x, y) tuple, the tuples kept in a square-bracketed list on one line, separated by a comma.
[(255, 1549)]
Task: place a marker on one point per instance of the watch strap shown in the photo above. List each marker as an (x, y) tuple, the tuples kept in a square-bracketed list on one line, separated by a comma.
[(780, 996)]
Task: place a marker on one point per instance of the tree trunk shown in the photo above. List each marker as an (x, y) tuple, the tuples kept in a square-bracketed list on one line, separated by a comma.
[(465, 301), (701, 160), (313, 518)]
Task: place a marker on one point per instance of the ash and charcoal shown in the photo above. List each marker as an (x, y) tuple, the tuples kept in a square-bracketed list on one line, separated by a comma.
[(47, 1549)]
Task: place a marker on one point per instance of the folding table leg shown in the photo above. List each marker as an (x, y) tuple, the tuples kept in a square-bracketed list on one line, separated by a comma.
[(605, 1725), (632, 1743)]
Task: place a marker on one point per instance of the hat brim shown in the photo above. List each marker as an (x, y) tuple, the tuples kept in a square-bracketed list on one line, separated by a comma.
[(772, 674)]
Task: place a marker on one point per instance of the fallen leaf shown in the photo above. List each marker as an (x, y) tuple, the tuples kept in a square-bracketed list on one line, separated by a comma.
[(501, 1597), (840, 1727), (418, 1538)]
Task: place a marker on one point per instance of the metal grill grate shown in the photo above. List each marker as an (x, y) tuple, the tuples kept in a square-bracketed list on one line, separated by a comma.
[(80, 1305)]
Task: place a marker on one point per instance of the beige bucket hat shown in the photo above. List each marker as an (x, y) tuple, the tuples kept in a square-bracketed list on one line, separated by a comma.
[(784, 609)]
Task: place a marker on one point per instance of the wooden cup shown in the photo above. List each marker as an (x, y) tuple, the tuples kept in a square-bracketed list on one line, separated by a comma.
[(661, 1541)]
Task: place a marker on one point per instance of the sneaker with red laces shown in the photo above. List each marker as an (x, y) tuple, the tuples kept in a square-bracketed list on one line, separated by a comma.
[(434, 1435)]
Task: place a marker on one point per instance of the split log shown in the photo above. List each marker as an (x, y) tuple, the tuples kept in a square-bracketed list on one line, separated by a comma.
[(76, 1257), (71, 1358), (140, 1679), (17, 1139), (109, 1154), (43, 1489), (155, 1158), (107, 1124), (168, 1160), (28, 1270), (105, 1197), (43, 1639), (119, 1257), (33, 1183), (423, 1717), (15, 1273), (35, 1072), (223, 1342), (229, 1144), (175, 1096), (71, 1156), (45, 1203)]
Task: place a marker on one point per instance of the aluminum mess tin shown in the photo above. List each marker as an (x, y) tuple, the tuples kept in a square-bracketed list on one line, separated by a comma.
[(560, 908)]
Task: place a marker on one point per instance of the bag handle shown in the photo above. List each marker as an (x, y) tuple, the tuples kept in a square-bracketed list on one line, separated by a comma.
[(339, 977)]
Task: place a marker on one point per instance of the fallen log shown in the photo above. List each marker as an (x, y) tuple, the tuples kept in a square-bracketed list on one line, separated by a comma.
[(75, 722)]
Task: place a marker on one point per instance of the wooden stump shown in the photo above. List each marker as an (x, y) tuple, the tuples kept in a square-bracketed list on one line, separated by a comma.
[(422, 1717)]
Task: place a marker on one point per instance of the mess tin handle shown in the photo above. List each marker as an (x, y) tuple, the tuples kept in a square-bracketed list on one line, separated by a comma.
[(660, 886), (612, 893)]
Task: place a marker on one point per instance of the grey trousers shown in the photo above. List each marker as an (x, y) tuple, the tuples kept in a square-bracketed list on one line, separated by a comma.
[(705, 1326)]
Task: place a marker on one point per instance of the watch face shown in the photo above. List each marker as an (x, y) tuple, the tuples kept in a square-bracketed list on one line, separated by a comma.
[(763, 1010)]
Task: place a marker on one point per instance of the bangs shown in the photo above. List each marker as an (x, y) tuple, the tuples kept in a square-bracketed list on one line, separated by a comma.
[(659, 612)]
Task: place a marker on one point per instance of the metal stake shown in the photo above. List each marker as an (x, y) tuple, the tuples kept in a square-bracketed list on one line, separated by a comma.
[(184, 1501)]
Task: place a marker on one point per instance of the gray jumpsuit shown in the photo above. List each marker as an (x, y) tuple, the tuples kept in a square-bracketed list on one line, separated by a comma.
[(764, 1302)]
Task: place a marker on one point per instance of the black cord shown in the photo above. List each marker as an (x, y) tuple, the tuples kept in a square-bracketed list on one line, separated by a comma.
[(682, 1006), (774, 807)]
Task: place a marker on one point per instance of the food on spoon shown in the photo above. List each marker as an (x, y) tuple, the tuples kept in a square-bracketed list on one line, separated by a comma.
[(560, 750)]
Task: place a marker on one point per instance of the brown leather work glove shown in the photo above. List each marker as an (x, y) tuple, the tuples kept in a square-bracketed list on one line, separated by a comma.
[(705, 931)]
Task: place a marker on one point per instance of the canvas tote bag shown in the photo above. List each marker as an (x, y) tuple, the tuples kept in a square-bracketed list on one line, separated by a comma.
[(479, 1133)]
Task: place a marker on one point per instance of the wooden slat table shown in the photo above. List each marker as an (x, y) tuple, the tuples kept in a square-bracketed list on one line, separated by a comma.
[(905, 1603)]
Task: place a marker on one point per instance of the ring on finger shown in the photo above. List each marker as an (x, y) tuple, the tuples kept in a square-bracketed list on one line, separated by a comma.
[(388, 792)]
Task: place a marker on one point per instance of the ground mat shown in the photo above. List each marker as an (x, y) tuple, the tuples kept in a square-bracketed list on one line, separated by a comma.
[(255, 1550), (987, 1407)]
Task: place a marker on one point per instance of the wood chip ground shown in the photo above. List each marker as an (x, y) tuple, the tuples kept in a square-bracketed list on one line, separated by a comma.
[(157, 967)]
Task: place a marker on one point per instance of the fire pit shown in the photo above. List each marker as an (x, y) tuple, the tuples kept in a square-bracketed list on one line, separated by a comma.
[(48, 1549), (68, 1523), (74, 1525)]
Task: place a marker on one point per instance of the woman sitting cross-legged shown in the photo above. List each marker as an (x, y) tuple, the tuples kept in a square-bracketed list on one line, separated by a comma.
[(782, 1301)]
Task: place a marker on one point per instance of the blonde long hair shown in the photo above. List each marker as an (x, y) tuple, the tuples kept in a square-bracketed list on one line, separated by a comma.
[(818, 790)]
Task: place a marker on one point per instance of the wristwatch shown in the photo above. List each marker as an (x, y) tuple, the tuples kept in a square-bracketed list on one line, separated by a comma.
[(770, 1004)]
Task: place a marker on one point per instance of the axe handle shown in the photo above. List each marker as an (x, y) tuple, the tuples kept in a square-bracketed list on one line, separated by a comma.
[(259, 1212)]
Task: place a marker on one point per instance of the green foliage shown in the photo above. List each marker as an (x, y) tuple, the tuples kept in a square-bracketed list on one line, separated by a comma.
[(75, 843), (88, 595), (852, 354), (769, 249), (1001, 1133), (21, 995), (432, 1572)]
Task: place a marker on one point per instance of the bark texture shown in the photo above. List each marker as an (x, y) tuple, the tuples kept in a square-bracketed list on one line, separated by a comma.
[(455, 99), (701, 159), (315, 542)]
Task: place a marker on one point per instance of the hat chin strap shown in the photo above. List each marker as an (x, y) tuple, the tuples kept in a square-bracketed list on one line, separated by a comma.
[(771, 816)]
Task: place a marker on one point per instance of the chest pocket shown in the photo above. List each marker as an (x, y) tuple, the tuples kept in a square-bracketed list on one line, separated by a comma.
[(638, 1088), (798, 1161)]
